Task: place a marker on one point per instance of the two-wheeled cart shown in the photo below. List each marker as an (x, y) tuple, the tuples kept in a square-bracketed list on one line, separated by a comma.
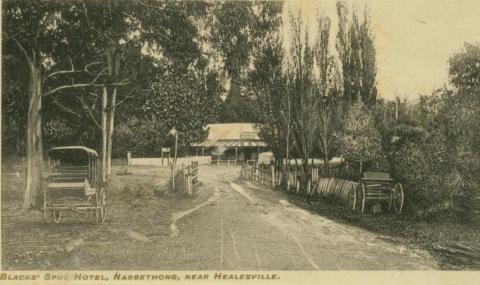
[(377, 186)]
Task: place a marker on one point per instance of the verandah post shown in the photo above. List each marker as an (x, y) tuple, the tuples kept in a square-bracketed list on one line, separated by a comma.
[(236, 155)]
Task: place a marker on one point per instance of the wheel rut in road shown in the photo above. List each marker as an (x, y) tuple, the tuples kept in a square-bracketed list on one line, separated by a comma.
[(319, 243), (179, 215)]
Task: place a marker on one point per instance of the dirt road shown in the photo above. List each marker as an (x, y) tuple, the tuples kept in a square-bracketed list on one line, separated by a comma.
[(230, 224)]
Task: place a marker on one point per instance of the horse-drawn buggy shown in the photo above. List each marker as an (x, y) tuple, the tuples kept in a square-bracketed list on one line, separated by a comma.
[(74, 183), (378, 187)]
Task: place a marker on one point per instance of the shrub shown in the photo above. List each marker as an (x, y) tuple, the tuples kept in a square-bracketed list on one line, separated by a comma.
[(141, 136), (361, 141), (436, 182)]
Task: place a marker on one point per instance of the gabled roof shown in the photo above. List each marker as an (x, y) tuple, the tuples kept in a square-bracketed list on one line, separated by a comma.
[(232, 135), (231, 131)]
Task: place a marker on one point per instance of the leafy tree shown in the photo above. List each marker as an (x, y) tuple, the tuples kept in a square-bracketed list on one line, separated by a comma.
[(268, 81), (181, 102), (435, 153), (234, 28), (44, 35), (238, 107), (329, 90), (231, 35), (315, 84), (305, 103), (357, 55), (58, 132), (361, 141), (273, 99), (108, 59), (465, 68), (130, 35), (14, 106), (142, 136)]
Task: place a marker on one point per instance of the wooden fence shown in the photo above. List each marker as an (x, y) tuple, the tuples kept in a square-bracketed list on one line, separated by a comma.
[(231, 162), (190, 176), (166, 161), (261, 173), (318, 181)]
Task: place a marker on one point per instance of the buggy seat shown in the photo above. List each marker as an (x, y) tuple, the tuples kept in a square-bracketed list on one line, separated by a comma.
[(69, 179)]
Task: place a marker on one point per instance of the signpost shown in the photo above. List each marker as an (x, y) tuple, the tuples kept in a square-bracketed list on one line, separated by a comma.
[(166, 150)]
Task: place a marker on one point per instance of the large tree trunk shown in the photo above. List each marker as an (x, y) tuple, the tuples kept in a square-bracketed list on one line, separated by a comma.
[(113, 62), (111, 119), (34, 157), (104, 133)]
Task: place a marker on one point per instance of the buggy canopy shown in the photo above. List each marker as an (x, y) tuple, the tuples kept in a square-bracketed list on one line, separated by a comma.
[(80, 148)]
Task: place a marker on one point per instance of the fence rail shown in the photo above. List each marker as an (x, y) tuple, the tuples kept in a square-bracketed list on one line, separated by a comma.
[(315, 181), (190, 175), (232, 162), (264, 174)]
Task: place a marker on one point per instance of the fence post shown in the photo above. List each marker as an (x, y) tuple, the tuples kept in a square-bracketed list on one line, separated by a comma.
[(309, 177), (190, 181), (260, 173), (187, 176)]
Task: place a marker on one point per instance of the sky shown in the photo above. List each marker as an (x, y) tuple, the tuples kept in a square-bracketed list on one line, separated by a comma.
[(413, 39)]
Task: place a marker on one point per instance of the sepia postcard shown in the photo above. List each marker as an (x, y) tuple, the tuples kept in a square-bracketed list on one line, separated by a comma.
[(255, 142)]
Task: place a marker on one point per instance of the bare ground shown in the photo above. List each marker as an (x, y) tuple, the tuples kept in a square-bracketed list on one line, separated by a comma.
[(229, 224)]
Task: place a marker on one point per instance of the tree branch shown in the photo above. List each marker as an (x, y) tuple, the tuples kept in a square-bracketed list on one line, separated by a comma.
[(89, 111), (71, 62), (79, 85), (90, 65), (122, 101), (117, 84), (65, 108), (23, 50), (53, 74), (72, 70)]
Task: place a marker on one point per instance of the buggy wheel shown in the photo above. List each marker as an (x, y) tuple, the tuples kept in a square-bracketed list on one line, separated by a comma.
[(397, 198), (363, 197), (56, 216), (352, 197)]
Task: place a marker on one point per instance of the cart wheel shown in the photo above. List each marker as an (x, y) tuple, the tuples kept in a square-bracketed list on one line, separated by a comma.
[(390, 202), (364, 197), (352, 197), (57, 216), (397, 198)]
